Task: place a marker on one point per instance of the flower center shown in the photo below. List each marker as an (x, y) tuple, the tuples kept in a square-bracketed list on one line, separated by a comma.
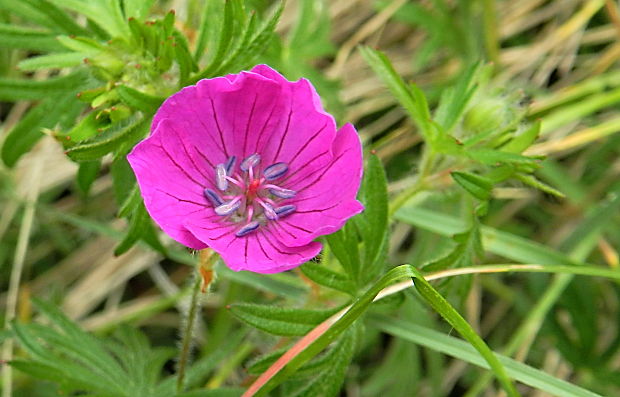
[(246, 195)]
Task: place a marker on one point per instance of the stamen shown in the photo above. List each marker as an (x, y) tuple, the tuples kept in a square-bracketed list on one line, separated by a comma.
[(213, 197), (247, 229), (281, 192), (230, 164), (274, 171), (229, 207), (250, 161), (220, 177), (268, 210), (285, 210), (235, 182)]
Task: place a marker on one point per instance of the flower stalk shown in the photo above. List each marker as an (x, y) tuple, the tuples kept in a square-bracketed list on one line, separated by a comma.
[(202, 281)]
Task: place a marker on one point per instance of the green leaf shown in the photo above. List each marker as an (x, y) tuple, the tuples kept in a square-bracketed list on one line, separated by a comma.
[(253, 40), (221, 392), (138, 9), (140, 228), (373, 222), (494, 157), (85, 45), (106, 14), (85, 129), (524, 140), (344, 245), (328, 381), (52, 61), (443, 307), (454, 99), (221, 42), (537, 184), (321, 340), (410, 97), (328, 278), (28, 89), (139, 100), (210, 27), (476, 185), (86, 175), (184, 59), (43, 13), (122, 367), (17, 37), (461, 350), (124, 132), (468, 247), (279, 320), (57, 110)]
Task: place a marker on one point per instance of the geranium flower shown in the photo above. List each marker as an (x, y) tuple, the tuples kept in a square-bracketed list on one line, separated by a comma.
[(251, 166)]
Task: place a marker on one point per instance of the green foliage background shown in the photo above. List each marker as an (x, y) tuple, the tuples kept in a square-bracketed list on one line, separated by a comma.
[(491, 148)]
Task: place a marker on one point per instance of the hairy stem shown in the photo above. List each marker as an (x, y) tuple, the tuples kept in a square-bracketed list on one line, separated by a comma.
[(188, 332)]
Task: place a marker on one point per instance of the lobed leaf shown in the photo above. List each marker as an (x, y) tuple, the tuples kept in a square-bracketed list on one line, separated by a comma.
[(329, 330), (125, 132), (52, 61), (476, 185), (27, 89), (279, 320), (138, 100), (138, 9), (328, 278), (344, 245), (409, 96), (373, 222), (17, 37)]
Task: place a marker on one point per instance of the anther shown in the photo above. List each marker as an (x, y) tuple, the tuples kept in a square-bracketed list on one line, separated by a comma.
[(213, 197), (274, 171), (281, 192), (269, 212), (285, 210), (250, 161), (220, 177), (230, 165), (228, 208), (247, 229)]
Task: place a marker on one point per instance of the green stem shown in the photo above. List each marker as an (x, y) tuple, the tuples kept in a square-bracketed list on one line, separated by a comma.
[(188, 332)]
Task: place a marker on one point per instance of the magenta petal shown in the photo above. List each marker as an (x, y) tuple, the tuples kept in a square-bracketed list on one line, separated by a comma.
[(260, 252), (169, 190), (326, 199)]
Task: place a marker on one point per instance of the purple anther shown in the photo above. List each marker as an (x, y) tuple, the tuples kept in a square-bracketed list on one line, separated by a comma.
[(230, 165), (228, 208), (213, 197), (281, 192), (250, 161), (247, 229), (269, 212), (285, 210), (220, 177), (274, 171)]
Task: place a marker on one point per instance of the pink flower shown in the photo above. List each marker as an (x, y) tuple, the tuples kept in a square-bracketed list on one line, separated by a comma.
[(251, 166)]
